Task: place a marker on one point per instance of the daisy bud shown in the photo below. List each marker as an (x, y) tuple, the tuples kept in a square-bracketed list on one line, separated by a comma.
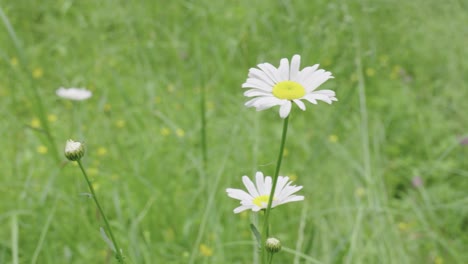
[(273, 245), (74, 150)]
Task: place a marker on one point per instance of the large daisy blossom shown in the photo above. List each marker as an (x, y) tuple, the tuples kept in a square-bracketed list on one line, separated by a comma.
[(76, 94), (257, 196), (286, 84)]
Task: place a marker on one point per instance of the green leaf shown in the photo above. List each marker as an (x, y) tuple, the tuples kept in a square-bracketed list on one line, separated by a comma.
[(257, 235)]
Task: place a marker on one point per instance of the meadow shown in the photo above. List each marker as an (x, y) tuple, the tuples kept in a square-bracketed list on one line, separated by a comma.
[(384, 169)]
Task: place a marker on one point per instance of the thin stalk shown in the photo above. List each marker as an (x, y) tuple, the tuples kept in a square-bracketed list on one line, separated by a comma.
[(14, 239), (266, 230), (203, 126), (270, 258), (93, 194)]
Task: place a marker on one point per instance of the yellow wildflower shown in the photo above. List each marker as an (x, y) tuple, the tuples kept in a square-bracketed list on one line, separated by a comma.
[(395, 72), (35, 123), (14, 61), (403, 226), (360, 192), (52, 118), (180, 132), (292, 177), (333, 138), (206, 250), (438, 260), (101, 151), (120, 123), (165, 131), (93, 171), (107, 107), (37, 73), (370, 72), (42, 149), (170, 88)]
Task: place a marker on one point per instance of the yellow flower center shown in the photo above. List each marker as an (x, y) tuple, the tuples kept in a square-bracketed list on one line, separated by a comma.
[(289, 90), (261, 200)]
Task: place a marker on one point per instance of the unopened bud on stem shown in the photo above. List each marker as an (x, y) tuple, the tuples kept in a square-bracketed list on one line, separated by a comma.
[(273, 245), (74, 150)]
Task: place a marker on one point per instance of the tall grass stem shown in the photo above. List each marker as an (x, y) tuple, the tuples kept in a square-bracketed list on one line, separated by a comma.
[(203, 126)]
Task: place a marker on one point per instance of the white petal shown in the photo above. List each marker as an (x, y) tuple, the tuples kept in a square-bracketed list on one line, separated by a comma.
[(316, 79), (307, 71), (328, 93), (264, 102), (280, 184), (322, 97), (260, 182), (267, 186), (241, 208), (290, 190), (250, 186), (295, 64), (283, 69), (310, 97), (238, 194), (300, 104), (257, 83), (254, 102), (259, 74), (285, 109), (256, 92), (256, 208), (293, 198), (271, 71)]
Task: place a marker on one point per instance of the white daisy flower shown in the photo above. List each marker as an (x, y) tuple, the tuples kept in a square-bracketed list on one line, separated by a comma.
[(76, 94), (257, 196), (280, 86)]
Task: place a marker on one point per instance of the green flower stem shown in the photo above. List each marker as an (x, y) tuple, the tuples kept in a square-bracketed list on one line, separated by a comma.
[(266, 230), (270, 258), (93, 194)]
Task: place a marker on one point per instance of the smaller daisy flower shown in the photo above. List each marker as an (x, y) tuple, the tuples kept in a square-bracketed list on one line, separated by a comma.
[(76, 94), (257, 196), (286, 84)]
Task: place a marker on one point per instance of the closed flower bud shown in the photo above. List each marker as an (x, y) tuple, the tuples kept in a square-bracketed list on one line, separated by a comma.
[(74, 150), (273, 245)]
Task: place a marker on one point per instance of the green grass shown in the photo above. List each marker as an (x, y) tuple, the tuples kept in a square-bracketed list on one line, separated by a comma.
[(401, 79)]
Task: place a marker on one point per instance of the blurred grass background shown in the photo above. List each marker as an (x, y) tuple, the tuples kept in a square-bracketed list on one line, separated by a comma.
[(401, 78)]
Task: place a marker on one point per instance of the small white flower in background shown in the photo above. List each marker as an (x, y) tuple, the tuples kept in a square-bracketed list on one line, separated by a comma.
[(257, 196), (280, 86), (74, 150), (76, 94)]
